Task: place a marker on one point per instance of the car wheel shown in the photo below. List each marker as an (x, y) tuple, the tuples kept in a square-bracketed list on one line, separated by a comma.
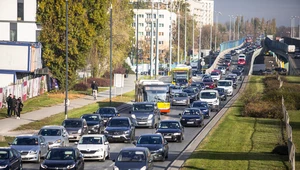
[(108, 155), (39, 158), (167, 155), (20, 166), (103, 160)]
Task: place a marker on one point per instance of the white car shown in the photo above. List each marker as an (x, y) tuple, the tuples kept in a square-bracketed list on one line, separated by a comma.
[(215, 76), (227, 85), (242, 56), (212, 98), (94, 147), (223, 69)]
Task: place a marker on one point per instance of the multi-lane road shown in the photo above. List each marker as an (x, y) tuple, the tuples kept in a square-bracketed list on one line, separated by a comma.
[(174, 147)]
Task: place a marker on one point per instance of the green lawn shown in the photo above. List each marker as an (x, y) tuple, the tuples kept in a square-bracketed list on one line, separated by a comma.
[(8, 139), (75, 113), (293, 79), (240, 142), (295, 123), (47, 100)]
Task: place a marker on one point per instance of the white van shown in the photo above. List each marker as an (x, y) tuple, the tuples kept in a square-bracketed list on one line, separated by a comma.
[(242, 56), (212, 98), (227, 85)]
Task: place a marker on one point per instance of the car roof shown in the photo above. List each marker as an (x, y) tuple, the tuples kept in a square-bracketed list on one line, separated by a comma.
[(79, 119), (63, 148), (52, 127), (107, 108), (134, 149), (93, 135), (28, 135), (152, 134), (119, 118), (91, 114), (208, 91), (224, 80), (199, 101), (192, 108), (144, 103), (169, 121)]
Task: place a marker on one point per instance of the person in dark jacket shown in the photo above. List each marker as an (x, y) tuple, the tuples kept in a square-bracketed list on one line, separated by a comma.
[(13, 105), (94, 87), (9, 103), (19, 107)]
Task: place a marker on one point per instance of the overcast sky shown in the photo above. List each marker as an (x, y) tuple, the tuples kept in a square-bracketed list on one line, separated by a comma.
[(281, 10)]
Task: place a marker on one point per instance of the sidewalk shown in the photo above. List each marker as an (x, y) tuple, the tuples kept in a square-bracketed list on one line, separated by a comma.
[(8, 124)]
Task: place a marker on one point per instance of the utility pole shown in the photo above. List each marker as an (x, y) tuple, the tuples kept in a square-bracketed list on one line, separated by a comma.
[(178, 36), (184, 33), (157, 47), (193, 38), (229, 28), (234, 27), (110, 52), (151, 48), (137, 43), (238, 33), (171, 34), (67, 64)]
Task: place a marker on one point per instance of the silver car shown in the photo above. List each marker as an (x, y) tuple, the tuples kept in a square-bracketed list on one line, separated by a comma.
[(181, 99), (31, 147), (55, 136)]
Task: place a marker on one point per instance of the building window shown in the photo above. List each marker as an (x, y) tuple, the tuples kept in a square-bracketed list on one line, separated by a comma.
[(13, 32), (161, 33), (133, 24), (161, 25), (141, 33), (20, 10), (160, 42), (161, 16), (141, 24), (148, 33)]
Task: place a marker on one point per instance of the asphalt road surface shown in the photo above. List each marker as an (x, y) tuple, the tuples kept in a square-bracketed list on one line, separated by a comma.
[(174, 147)]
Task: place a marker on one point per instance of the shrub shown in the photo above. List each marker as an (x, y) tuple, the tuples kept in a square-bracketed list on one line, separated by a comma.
[(80, 87), (263, 109)]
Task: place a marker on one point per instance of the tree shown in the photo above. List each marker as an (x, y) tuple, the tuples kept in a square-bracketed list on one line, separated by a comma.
[(52, 16)]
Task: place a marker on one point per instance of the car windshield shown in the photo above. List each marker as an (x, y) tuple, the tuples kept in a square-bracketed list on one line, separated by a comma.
[(118, 123), (175, 87), (191, 112), (199, 104), (3, 155), (224, 83), (50, 132), (214, 73), (169, 125), (207, 80), (188, 90), (132, 156), (149, 140), (180, 95), (143, 107), (60, 154), (91, 117), (208, 95), (72, 123), (25, 141), (236, 72), (106, 111), (220, 90), (181, 81), (90, 140)]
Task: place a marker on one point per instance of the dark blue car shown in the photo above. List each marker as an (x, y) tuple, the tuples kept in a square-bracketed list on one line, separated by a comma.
[(10, 158), (192, 117), (203, 106)]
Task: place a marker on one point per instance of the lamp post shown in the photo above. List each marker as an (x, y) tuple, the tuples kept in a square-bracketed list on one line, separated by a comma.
[(193, 44), (171, 34), (67, 64), (178, 36), (151, 48), (235, 19), (230, 16), (184, 33), (292, 26), (137, 43), (157, 44), (110, 52), (216, 29)]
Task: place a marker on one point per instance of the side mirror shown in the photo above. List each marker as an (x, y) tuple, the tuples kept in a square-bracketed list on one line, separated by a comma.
[(179, 114), (132, 125), (9, 143), (75, 143), (106, 143), (134, 142)]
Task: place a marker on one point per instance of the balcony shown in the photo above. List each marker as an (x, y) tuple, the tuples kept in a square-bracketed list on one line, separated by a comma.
[(148, 38), (148, 20), (148, 29)]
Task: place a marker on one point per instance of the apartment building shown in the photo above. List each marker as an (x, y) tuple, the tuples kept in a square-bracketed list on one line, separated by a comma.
[(18, 20), (142, 18), (203, 11)]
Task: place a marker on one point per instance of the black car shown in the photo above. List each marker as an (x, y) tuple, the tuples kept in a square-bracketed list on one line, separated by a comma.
[(192, 117), (233, 80), (10, 159), (156, 143), (194, 95), (107, 112), (232, 52), (238, 73), (75, 127), (181, 82), (297, 55), (240, 68), (94, 122), (199, 84), (120, 129), (281, 70), (203, 106), (222, 93), (63, 158), (172, 130), (134, 158)]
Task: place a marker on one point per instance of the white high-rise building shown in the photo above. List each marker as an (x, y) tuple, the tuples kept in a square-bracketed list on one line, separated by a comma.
[(18, 20), (203, 11)]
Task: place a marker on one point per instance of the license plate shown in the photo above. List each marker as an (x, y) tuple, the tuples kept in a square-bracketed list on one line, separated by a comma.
[(190, 122), (116, 136), (169, 137), (71, 136), (141, 122)]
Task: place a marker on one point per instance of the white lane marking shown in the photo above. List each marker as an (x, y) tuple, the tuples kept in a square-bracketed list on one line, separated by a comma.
[(112, 164)]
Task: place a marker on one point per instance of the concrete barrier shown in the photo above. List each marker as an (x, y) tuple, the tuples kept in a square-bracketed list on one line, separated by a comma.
[(254, 55)]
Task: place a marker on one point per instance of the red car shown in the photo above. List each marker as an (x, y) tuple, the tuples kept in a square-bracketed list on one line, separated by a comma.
[(209, 83), (241, 61), (218, 71)]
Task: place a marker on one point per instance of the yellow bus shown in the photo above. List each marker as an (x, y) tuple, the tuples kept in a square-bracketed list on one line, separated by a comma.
[(181, 74), (153, 91)]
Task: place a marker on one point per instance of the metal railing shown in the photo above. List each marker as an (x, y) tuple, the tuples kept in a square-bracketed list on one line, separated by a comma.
[(288, 129)]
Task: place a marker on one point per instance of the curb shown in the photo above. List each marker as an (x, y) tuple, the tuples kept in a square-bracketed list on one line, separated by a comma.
[(186, 153)]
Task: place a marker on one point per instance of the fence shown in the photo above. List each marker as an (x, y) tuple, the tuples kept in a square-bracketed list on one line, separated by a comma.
[(289, 132), (26, 90)]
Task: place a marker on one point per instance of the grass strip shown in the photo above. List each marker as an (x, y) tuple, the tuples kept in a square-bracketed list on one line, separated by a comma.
[(57, 119), (238, 142)]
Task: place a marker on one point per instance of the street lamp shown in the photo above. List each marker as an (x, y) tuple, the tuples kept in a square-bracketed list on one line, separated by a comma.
[(171, 34), (233, 17), (178, 36), (110, 52), (238, 32), (151, 48), (184, 33), (137, 43), (292, 26), (216, 28), (67, 64)]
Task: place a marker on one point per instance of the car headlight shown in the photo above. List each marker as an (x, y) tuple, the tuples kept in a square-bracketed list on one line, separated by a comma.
[(44, 166), (105, 131), (116, 168), (133, 116), (3, 166), (144, 168), (58, 141), (127, 132), (160, 150), (100, 150), (71, 166), (96, 126), (182, 119), (206, 110), (216, 101), (33, 152), (177, 133), (198, 119), (150, 116), (79, 131)]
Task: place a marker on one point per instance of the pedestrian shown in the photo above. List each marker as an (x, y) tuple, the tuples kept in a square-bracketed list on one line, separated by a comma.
[(13, 105), (9, 103), (19, 107), (94, 87)]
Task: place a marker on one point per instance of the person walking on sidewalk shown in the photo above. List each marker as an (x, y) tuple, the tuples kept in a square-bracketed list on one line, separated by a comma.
[(9, 103), (94, 87), (13, 105), (19, 107)]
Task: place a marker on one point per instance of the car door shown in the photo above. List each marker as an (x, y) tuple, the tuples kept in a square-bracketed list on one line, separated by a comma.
[(14, 162), (79, 159), (106, 147), (166, 145), (65, 136), (17, 157), (149, 160), (43, 146)]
